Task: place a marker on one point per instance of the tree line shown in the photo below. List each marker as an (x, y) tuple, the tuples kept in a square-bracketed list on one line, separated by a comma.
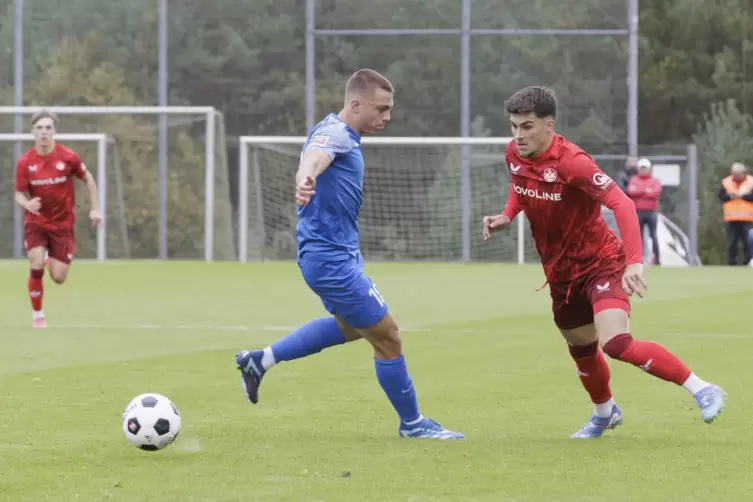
[(247, 60)]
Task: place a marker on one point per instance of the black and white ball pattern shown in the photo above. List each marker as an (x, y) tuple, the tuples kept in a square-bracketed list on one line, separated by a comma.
[(151, 422)]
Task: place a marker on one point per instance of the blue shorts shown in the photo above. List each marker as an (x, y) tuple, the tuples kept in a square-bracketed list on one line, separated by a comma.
[(345, 290)]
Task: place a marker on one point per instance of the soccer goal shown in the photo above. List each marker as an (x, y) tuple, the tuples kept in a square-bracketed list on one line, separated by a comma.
[(424, 199), (176, 205), (97, 146)]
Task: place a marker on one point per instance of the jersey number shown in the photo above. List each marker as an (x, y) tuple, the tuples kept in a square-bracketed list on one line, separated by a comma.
[(374, 293)]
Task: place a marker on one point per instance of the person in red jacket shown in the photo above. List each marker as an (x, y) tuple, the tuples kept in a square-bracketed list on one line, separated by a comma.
[(645, 190)]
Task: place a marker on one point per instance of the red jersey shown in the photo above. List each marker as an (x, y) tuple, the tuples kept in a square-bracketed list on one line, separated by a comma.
[(645, 191), (50, 177), (561, 192)]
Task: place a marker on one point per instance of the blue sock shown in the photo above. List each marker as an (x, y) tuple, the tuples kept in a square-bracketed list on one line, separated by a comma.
[(312, 337), (397, 384)]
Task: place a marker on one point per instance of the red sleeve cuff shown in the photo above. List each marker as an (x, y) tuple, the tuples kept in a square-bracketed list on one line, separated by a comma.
[(627, 221)]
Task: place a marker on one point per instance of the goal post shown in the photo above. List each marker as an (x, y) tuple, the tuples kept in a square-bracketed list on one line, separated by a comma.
[(187, 226), (101, 140), (423, 198)]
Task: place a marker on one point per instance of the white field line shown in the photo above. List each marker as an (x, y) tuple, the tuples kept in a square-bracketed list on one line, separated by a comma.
[(286, 329), (199, 327)]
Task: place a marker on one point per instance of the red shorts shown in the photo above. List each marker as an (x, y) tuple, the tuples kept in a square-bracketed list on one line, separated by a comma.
[(575, 303), (60, 243)]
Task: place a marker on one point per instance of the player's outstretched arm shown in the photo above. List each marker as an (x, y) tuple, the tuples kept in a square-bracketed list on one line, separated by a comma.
[(313, 163), (22, 188), (94, 214), (31, 205), (583, 173), (498, 222)]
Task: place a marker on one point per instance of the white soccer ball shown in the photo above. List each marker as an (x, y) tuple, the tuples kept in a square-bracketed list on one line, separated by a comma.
[(151, 422)]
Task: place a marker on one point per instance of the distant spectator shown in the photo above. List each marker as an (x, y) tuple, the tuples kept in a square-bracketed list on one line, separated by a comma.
[(645, 189), (627, 173), (736, 196)]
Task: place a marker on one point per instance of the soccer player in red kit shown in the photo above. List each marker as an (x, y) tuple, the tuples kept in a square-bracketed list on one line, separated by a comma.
[(591, 273), (44, 188)]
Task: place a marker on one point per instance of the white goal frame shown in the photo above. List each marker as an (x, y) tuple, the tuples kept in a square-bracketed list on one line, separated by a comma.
[(209, 113), (243, 178), (101, 140)]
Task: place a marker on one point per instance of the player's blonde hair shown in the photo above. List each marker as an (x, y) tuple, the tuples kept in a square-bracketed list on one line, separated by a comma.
[(44, 114), (366, 80)]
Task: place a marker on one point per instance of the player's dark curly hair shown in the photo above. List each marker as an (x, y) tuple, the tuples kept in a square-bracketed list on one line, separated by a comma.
[(541, 101)]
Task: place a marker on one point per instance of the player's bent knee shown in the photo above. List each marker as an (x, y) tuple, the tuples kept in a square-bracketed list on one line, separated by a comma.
[(611, 318), (36, 264), (58, 273), (59, 278), (350, 334), (384, 336), (582, 335)]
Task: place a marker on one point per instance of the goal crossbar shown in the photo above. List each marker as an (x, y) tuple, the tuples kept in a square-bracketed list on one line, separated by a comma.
[(102, 141), (243, 176), (210, 114)]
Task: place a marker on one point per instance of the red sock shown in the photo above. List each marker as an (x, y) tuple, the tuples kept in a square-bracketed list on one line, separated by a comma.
[(593, 371), (36, 289), (648, 356)]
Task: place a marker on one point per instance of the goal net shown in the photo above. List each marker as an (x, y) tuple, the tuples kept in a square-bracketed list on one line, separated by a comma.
[(424, 199), (186, 214)]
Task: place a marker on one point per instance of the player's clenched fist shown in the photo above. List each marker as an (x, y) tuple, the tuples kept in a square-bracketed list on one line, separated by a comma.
[(305, 190), (494, 223), (633, 281), (95, 216), (34, 205)]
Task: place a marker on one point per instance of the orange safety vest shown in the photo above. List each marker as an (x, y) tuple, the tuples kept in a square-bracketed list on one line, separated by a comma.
[(738, 209)]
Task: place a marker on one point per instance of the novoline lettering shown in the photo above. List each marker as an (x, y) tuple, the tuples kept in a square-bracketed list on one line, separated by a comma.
[(49, 181), (536, 194)]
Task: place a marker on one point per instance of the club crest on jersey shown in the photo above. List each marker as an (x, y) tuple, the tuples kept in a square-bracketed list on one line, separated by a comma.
[(320, 140), (60, 166), (550, 175), (601, 180)]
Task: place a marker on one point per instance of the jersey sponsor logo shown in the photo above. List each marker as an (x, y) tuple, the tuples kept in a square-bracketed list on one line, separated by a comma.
[(514, 168), (601, 180), (550, 175), (320, 140), (60, 166), (536, 194), (49, 181)]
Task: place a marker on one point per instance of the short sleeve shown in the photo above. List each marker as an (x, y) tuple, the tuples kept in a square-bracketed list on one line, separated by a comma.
[(582, 172), (332, 138), (22, 176), (77, 167)]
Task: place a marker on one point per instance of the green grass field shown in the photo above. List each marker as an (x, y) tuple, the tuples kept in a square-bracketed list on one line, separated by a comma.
[(481, 348)]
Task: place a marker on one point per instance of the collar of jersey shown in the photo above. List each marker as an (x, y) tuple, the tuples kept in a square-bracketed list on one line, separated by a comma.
[(345, 124), (543, 161)]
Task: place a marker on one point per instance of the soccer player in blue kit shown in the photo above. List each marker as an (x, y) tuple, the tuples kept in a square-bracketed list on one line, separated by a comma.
[(329, 194)]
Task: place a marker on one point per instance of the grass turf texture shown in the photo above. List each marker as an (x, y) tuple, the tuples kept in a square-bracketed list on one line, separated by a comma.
[(480, 345)]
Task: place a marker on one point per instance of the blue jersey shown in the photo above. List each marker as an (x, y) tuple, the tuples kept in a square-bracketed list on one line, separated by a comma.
[(327, 227)]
